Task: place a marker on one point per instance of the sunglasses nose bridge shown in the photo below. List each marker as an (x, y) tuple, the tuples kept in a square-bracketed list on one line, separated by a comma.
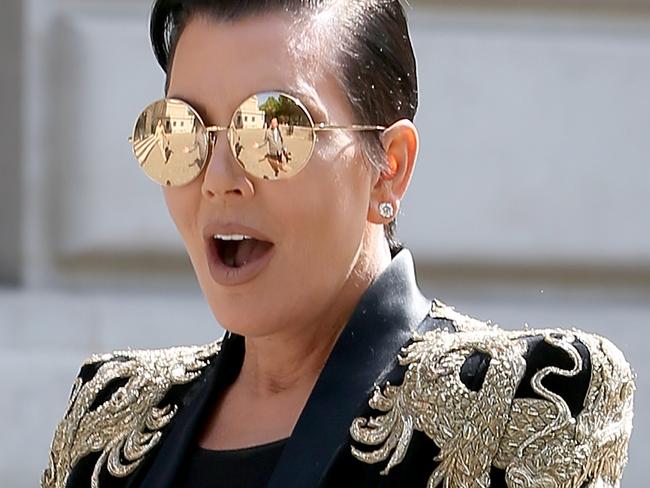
[(216, 136), (222, 175), (213, 133)]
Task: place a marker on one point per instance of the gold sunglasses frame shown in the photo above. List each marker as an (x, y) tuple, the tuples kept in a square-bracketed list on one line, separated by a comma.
[(211, 132)]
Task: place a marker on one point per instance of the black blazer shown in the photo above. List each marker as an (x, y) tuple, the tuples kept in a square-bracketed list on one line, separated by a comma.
[(413, 394)]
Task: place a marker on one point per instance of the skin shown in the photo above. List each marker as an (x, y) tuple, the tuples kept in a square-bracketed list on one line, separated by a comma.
[(324, 222)]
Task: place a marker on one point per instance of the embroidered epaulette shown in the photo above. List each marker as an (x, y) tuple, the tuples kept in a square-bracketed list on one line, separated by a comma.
[(536, 439), (125, 424)]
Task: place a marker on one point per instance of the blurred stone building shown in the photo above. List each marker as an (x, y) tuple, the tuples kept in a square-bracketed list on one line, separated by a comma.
[(529, 204)]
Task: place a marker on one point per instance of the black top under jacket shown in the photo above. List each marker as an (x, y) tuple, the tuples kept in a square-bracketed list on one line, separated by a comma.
[(249, 467)]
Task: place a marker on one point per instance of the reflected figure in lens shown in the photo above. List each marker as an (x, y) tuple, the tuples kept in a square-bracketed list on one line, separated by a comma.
[(197, 149), (236, 141), (160, 136), (277, 155), (146, 144)]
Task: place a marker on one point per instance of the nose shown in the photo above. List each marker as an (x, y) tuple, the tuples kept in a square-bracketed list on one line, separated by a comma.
[(224, 177)]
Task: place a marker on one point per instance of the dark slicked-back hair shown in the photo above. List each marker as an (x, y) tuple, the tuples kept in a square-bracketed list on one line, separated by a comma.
[(373, 55)]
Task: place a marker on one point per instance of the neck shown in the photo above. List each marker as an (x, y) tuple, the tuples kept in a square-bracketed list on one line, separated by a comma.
[(291, 360)]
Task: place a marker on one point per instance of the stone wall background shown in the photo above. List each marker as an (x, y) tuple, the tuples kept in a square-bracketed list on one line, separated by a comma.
[(529, 205)]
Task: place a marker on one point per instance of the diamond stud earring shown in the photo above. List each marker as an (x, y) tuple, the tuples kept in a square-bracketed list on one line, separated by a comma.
[(386, 210)]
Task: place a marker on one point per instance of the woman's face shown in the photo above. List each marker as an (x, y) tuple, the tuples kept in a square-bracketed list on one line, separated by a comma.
[(316, 220)]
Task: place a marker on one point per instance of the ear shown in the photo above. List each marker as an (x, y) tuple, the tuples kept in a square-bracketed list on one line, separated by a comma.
[(401, 144)]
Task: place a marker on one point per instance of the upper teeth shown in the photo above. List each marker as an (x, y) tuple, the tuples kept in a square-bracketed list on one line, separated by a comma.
[(231, 237)]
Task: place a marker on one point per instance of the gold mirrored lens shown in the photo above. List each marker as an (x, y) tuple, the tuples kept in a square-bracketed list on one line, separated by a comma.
[(170, 142), (272, 135)]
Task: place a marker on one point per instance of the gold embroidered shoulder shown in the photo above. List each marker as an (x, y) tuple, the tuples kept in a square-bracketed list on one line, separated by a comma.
[(127, 424), (535, 439)]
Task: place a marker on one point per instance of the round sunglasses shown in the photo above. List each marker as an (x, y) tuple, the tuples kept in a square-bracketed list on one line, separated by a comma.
[(271, 134)]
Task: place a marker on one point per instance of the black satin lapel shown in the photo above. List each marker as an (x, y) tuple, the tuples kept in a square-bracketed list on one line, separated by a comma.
[(176, 444), (381, 324)]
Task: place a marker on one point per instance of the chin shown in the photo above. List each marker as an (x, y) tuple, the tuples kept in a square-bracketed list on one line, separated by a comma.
[(247, 323)]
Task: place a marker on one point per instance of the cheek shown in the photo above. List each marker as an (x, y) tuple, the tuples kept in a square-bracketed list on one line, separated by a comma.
[(347, 179), (182, 204), (320, 216), (330, 210)]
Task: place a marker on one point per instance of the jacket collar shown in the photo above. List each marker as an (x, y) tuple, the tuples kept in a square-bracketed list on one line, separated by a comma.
[(383, 321), (183, 432)]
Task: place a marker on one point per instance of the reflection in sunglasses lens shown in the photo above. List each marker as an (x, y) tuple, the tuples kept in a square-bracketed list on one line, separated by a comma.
[(170, 142), (271, 135)]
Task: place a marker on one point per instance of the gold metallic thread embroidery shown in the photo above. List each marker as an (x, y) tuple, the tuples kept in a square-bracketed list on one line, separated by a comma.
[(536, 442), (124, 428)]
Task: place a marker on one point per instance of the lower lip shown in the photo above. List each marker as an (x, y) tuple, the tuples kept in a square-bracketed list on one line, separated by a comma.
[(228, 276)]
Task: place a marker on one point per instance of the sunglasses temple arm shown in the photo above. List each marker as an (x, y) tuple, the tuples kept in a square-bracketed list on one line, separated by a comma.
[(320, 128)]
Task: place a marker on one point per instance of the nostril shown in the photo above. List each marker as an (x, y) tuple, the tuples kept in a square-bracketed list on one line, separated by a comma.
[(211, 194), (220, 180)]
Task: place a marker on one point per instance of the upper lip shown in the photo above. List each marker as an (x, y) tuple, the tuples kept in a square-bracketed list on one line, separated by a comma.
[(228, 228)]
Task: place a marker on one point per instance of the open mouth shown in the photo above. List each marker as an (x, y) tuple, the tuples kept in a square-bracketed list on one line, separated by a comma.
[(238, 251)]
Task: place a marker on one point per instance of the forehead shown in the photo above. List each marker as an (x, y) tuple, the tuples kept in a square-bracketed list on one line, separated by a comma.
[(218, 64)]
